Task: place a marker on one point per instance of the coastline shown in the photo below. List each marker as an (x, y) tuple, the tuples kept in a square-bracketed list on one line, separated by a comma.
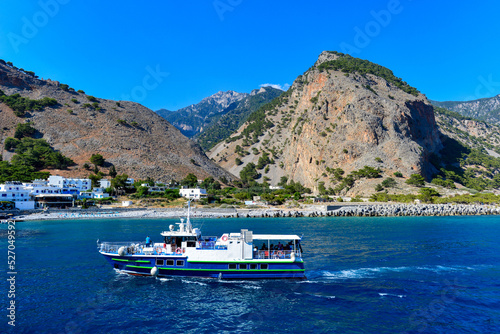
[(344, 210)]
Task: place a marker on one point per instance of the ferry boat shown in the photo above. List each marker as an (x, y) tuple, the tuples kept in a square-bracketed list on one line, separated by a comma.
[(186, 252)]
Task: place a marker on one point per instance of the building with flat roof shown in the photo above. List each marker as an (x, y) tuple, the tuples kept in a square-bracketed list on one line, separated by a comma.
[(15, 192), (58, 201), (193, 193)]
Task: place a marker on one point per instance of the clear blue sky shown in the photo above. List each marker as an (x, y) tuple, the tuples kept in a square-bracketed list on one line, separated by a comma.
[(170, 54)]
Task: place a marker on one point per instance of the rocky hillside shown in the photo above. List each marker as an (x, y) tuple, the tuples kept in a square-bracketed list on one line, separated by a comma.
[(192, 119), (221, 126), (487, 109), (469, 131), (343, 114), (128, 135)]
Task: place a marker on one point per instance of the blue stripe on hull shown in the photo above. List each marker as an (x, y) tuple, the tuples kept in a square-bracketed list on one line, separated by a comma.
[(275, 270)]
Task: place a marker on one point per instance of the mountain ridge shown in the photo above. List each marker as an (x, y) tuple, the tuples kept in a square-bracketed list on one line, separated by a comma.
[(484, 109), (128, 135), (192, 119)]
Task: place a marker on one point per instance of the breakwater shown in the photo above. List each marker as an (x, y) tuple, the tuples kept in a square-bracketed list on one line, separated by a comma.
[(382, 210), (360, 210)]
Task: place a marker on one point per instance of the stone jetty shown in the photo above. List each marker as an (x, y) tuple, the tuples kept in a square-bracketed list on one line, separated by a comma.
[(381, 210)]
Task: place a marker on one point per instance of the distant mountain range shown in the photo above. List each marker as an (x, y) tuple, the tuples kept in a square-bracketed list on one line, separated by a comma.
[(229, 107), (191, 120), (487, 109), (341, 122)]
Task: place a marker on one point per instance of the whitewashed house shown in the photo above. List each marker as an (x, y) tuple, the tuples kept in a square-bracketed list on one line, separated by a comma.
[(15, 192), (105, 183), (99, 193), (70, 186), (39, 187), (193, 193)]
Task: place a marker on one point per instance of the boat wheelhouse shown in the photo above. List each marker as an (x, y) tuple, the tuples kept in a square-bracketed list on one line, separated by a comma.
[(186, 252)]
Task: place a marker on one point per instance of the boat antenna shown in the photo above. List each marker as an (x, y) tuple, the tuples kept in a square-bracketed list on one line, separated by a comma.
[(188, 221)]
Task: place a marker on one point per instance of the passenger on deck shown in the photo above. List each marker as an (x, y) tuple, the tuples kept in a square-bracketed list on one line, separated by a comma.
[(263, 246), (148, 241), (280, 246)]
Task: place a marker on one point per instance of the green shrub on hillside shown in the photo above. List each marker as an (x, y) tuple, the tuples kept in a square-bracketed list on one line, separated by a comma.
[(416, 180), (349, 64), (24, 130), (21, 104)]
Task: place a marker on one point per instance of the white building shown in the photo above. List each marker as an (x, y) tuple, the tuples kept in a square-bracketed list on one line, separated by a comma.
[(39, 187), (193, 193), (70, 186), (104, 183), (15, 192), (96, 193), (99, 193)]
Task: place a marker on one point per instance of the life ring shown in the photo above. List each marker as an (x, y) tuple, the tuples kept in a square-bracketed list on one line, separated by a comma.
[(224, 238), (158, 250), (178, 251), (280, 253)]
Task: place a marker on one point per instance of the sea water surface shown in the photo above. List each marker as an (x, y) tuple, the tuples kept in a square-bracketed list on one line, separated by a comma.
[(364, 275)]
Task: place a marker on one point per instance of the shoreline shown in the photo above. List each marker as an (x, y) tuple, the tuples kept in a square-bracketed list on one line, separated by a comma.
[(359, 210)]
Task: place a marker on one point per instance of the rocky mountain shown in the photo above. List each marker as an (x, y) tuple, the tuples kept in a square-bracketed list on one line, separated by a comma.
[(128, 135), (344, 113), (231, 118), (471, 132), (192, 119), (487, 109)]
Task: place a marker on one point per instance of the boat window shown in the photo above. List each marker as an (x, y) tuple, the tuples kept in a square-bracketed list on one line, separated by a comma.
[(159, 262), (180, 263), (253, 266), (170, 262), (264, 266), (243, 266), (232, 266)]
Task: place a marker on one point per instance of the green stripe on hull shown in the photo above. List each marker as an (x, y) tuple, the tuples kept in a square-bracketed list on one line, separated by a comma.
[(123, 260)]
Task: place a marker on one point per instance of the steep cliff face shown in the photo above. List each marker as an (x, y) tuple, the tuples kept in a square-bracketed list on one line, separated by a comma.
[(128, 135), (338, 114)]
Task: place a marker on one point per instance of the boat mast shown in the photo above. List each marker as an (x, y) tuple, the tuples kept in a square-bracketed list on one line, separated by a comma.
[(188, 221)]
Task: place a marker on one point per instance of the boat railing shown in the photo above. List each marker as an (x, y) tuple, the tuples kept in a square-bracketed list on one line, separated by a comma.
[(276, 254), (137, 248), (113, 247)]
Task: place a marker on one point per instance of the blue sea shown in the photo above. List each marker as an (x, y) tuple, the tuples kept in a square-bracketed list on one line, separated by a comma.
[(364, 275)]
